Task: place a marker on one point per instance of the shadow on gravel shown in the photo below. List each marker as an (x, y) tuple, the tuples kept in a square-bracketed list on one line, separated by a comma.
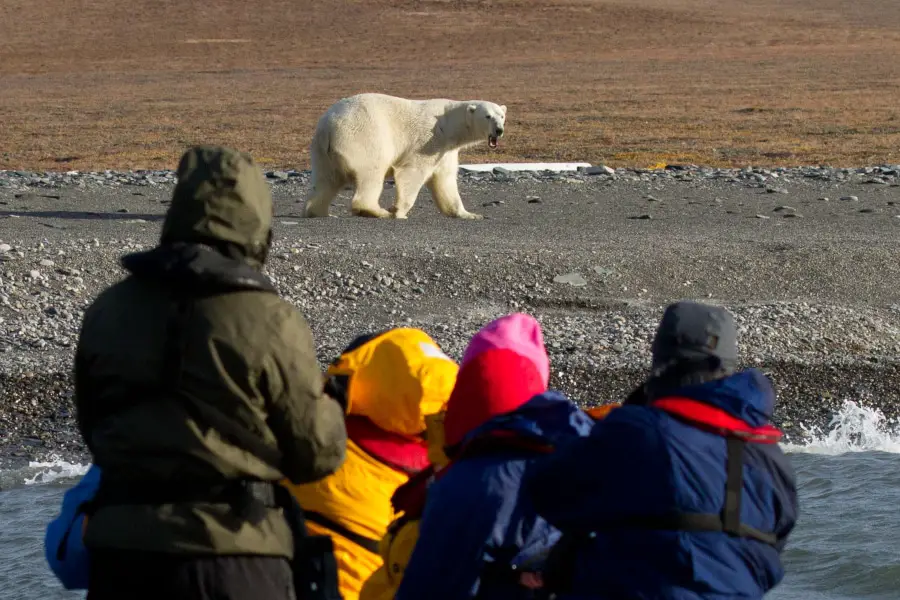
[(79, 215)]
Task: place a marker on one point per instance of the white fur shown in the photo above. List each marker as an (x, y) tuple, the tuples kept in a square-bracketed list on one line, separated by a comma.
[(364, 138)]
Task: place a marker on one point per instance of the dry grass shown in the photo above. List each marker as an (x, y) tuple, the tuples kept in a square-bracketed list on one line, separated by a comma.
[(93, 84)]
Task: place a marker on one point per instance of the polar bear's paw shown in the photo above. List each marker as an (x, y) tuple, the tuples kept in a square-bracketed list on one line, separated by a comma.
[(470, 216), (313, 213), (376, 213)]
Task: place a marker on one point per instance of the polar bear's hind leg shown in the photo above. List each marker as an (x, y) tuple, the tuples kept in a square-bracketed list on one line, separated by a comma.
[(366, 196), (322, 195)]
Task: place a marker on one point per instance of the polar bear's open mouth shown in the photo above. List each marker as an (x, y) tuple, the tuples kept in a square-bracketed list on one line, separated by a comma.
[(493, 141)]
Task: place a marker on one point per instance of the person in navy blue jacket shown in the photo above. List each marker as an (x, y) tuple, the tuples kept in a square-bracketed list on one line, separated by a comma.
[(478, 532), (683, 492), (63, 541)]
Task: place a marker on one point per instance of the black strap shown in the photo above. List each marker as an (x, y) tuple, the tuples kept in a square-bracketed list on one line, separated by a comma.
[(734, 486), (169, 385), (692, 522), (728, 521), (559, 569), (360, 540), (250, 498), (314, 564)]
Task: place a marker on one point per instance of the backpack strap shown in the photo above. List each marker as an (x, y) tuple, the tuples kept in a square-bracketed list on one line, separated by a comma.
[(559, 571), (728, 521), (250, 496), (362, 541)]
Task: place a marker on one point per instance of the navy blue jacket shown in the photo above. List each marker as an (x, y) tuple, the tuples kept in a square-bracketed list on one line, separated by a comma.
[(641, 461), (475, 517)]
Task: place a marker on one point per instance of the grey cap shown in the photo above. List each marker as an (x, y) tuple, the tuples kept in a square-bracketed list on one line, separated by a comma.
[(691, 331)]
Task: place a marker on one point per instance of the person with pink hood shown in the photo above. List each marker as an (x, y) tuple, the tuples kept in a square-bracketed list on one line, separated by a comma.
[(478, 533)]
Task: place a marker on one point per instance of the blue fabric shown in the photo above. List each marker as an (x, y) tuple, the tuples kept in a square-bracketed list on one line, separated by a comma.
[(73, 571), (641, 461), (475, 514)]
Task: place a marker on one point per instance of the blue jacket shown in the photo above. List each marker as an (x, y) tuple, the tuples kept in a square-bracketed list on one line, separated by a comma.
[(73, 571), (475, 516), (661, 464)]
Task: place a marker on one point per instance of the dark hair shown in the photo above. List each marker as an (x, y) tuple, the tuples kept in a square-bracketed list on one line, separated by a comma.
[(678, 375)]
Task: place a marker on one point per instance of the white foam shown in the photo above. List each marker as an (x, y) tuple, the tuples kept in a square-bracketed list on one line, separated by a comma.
[(56, 468), (855, 428)]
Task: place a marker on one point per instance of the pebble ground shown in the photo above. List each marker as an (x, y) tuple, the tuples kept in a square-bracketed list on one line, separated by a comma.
[(806, 258)]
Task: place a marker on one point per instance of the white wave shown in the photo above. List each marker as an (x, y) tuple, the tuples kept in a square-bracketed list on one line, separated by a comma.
[(42, 473), (854, 428)]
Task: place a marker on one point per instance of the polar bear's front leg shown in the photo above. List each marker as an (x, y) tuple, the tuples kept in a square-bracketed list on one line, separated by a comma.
[(445, 191), (409, 182), (365, 197)]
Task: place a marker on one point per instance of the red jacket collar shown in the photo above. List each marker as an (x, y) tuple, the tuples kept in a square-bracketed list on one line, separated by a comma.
[(716, 420), (405, 454)]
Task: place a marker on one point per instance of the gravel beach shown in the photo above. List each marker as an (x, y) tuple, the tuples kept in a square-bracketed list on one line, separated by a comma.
[(806, 258)]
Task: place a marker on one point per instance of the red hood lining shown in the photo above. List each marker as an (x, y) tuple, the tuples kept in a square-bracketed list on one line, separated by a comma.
[(402, 453)]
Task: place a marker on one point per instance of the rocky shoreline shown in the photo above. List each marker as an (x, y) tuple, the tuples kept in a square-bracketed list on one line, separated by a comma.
[(752, 176), (595, 255)]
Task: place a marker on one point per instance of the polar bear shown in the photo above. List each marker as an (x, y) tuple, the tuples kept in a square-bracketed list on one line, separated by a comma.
[(362, 139)]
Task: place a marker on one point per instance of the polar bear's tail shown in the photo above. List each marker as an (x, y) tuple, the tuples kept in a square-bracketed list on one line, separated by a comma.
[(321, 151), (328, 159), (327, 177)]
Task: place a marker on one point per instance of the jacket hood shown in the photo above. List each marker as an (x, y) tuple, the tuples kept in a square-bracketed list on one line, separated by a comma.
[(548, 418), (221, 199), (196, 267), (395, 379), (518, 332), (747, 395), (504, 366)]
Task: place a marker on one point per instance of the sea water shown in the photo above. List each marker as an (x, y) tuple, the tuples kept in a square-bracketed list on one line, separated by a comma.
[(846, 544)]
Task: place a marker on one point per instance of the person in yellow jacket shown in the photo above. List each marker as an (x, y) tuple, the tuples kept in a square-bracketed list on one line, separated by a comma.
[(409, 500), (391, 383)]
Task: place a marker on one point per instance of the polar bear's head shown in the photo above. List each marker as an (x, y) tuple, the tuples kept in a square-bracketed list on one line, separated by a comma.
[(486, 120)]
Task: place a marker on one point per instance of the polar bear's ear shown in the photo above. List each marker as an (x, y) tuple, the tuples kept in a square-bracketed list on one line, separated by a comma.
[(503, 108), (472, 108)]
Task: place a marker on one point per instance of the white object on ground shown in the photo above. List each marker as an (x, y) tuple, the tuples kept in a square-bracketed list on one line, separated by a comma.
[(526, 166)]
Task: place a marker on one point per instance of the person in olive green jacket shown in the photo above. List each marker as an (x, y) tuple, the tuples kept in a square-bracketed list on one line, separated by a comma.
[(196, 388)]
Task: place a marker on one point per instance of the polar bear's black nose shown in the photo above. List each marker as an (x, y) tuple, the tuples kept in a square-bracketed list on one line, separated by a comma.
[(499, 131)]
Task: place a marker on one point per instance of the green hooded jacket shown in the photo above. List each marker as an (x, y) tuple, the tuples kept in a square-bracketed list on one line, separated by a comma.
[(245, 359)]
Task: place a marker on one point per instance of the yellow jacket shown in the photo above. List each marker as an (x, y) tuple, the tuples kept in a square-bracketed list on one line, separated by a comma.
[(394, 382), (397, 545)]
